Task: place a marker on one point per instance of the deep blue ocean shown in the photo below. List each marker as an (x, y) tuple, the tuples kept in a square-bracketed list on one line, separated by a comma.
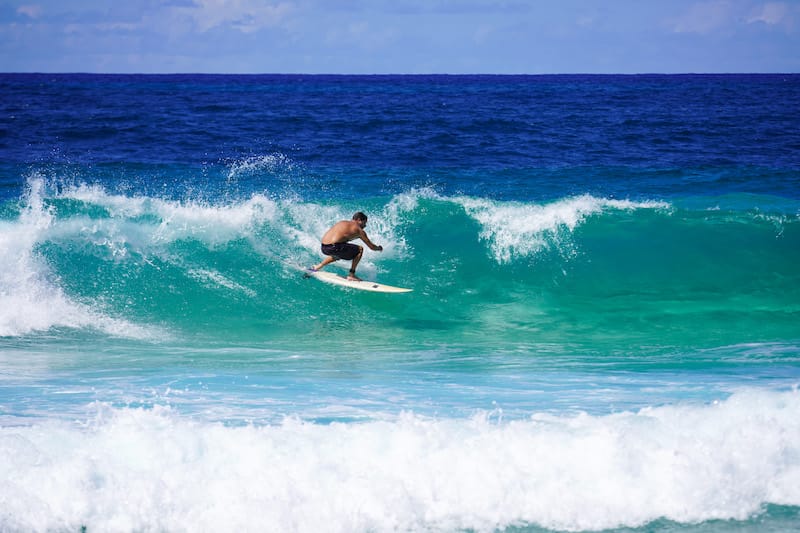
[(603, 333)]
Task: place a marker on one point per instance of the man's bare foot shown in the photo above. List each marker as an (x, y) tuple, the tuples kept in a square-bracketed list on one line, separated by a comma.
[(352, 277)]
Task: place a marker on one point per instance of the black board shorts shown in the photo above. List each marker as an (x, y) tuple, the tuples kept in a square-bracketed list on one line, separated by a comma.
[(341, 250)]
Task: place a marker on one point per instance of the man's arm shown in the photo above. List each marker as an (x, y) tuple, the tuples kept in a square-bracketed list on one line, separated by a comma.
[(363, 236)]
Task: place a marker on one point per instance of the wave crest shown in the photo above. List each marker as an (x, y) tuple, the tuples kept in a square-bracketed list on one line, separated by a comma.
[(30, 298), (514, 229)]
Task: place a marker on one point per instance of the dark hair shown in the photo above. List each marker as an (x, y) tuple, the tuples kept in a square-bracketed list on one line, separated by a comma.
[(360, 216)]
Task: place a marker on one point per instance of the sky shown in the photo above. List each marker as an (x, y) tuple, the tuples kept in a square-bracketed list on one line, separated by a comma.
[(400, 36)]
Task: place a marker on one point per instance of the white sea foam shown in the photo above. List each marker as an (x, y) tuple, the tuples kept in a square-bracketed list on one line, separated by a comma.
[(30, 299), (133, 469), (176, 220), (310, 221), (258, 163), (215, 279), (515, 229)]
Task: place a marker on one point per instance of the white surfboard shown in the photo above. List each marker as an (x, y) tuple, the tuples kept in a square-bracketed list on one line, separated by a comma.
[(335, 279)]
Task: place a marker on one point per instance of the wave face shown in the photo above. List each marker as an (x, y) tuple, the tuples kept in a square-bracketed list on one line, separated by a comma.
[(631, 272)]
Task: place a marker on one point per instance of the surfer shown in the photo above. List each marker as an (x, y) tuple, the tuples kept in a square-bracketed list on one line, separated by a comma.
[(336, 243)]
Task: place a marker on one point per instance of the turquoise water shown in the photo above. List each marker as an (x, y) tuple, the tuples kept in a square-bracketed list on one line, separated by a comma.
[(579, 270)]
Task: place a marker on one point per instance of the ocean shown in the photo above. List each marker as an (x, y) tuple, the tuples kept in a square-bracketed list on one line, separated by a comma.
[(603, 333)]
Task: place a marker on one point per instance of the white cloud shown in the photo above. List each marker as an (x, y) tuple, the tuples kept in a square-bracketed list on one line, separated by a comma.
[(771, 13), (483, 33), (704, 17), (246, 16), (360, 34), (118, 26), (32, 11)]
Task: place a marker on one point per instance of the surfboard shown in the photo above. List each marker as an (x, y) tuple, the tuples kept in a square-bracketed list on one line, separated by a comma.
[(336, 279)]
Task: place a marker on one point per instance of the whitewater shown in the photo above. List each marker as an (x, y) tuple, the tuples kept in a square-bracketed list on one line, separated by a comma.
[(152, 469)]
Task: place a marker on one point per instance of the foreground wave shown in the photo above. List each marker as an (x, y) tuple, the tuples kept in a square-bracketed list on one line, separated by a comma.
[(137, 469)]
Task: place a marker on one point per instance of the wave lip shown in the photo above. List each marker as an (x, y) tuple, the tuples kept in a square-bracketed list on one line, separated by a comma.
[(176, 220), (131, 469), (515, 229)]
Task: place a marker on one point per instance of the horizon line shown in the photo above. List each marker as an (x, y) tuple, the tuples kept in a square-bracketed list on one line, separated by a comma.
[(376, 74)]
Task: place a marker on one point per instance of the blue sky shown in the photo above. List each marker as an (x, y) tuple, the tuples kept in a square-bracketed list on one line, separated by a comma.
[(400, 36)]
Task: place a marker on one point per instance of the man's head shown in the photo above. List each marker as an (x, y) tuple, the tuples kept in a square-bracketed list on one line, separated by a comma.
[(361, 218)]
